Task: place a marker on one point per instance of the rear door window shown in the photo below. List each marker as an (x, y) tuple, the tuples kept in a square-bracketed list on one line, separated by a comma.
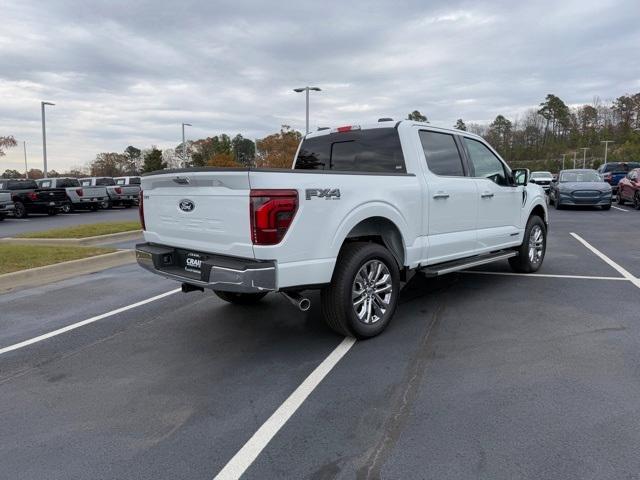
[(134, 181), (105, 182), (370, 150), (67, 182), (442, 154)]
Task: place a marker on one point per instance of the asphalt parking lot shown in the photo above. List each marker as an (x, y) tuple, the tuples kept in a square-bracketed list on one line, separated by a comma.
[(482, 374), (39, 222)]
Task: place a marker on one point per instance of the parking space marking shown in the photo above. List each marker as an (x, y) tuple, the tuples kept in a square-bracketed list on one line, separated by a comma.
[(618, 208), (82, 323), (625, 273), (545, 275), (250, 451)]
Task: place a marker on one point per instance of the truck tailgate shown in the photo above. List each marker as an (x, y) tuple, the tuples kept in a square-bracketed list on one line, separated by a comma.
[(203, 211)]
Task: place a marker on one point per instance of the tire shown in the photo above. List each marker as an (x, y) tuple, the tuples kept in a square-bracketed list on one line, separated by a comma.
[(558, 205), (126, 205), (1, 218), (619, 199), (67, 208), (350, 274), (94, 207), (636, 201), (525, 261), (52, 212), (606, 207), (20, 210), (106, 205), (240, 298)]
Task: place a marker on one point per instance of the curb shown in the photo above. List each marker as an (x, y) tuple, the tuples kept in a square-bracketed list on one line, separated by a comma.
[(34, 277), (97, 240)]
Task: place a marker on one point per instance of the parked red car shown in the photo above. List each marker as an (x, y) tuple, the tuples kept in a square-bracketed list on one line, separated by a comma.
[(629, 189)]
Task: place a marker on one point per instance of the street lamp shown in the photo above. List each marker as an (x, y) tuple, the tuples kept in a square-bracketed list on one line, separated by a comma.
[(563, 155), (606, 144), (584, 156), (574, 158), (306, 90), (184, 146), (44, 137)]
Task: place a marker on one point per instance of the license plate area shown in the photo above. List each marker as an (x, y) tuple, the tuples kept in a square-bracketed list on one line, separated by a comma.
[(190, 263)]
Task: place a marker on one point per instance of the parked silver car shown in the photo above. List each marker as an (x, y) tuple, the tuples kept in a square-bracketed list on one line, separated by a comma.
[(80, 197), (6, 205)]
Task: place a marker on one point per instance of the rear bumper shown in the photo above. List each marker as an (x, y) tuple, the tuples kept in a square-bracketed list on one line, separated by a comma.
[(6, 207), (216, 272)]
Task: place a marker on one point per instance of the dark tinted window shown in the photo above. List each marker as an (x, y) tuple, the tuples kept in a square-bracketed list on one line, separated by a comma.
[(67, 182), (134, 181), (484, 163), (371, 150), (619, 167), (105, 181), (21, 185), (441, 152)]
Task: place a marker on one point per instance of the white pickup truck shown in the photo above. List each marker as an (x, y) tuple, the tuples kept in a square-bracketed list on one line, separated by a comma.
[(80, 198), (361, 209), (6, 205), (116, 194)]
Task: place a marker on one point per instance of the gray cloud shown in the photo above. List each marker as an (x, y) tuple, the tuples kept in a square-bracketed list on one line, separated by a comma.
[(125, 73)]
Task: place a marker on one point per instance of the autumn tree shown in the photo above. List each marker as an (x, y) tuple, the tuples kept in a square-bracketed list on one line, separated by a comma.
[(35, 174), (204, 149), (6, 142), (416, 116), (225, 159), (109, 164), (277, 150), (153, 160), (244, 150)]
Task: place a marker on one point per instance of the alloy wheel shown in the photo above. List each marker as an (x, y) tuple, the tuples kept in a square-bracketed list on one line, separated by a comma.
[(536, 244), (371, 291)]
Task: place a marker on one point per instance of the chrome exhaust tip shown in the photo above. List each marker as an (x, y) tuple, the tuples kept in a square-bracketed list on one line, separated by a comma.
[(303, 303)]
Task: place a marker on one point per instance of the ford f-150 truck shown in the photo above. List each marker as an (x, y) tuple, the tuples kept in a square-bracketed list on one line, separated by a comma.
[(79, 197), (130, 186), (29, 198), (6, 205), (361, 209), (117, 195)]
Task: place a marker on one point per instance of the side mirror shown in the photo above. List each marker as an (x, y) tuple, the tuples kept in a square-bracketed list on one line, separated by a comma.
[(521, 176)]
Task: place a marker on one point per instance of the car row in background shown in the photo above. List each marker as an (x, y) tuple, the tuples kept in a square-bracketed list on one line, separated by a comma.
[(20, 197), (613, 172)]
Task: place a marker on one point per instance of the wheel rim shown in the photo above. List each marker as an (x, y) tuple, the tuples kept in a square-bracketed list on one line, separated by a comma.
[(19, 210), (536, 244), (636, 201), (371, 292)]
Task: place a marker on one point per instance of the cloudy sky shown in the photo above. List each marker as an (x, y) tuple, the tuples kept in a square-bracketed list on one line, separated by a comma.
[(129, 72)]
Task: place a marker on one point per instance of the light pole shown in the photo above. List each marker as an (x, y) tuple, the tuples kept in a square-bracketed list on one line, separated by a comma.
[(44, 137), (306, 90), (606, 144), (563, 155), (184, 146), (584, 156), (574, 158), (26, 169)]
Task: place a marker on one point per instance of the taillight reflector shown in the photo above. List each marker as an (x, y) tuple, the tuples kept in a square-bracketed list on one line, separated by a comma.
[(118, 190), (271, 213), (33, 196), (141, 210), (346, 128), (79, 192)]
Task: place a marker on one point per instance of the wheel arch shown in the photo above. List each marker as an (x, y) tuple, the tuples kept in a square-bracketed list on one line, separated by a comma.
[(381, 230)]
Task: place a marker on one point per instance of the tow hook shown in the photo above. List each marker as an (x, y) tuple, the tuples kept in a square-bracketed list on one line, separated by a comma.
[(303, 303)]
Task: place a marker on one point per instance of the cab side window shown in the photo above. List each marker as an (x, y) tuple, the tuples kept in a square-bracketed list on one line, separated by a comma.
[(484, 163), (441, 152)]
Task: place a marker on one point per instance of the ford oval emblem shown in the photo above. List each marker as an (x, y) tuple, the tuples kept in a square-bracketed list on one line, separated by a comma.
[(186, 205)]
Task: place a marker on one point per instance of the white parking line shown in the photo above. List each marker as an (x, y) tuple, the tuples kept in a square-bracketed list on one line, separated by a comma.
[(73, 326), (250, 451), (545, 275), (618, 208), (625, 273)]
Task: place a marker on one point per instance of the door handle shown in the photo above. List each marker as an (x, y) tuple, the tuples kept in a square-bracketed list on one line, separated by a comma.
[(441, 195), (486, 195)]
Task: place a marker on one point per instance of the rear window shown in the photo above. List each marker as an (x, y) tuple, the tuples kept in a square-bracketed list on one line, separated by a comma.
[(134, 181), (371, 150), (441, 152), (18, 184), (105, 181), (85, 182), (67, 182)]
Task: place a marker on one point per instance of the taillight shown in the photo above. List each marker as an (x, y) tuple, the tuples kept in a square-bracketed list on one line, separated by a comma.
[(141, 210), (271, 213), (118, 190), (33, 196), (607, 177), (79, 192)]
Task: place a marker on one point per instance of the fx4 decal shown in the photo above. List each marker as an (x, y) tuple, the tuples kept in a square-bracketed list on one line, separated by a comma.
[(326, 193)]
